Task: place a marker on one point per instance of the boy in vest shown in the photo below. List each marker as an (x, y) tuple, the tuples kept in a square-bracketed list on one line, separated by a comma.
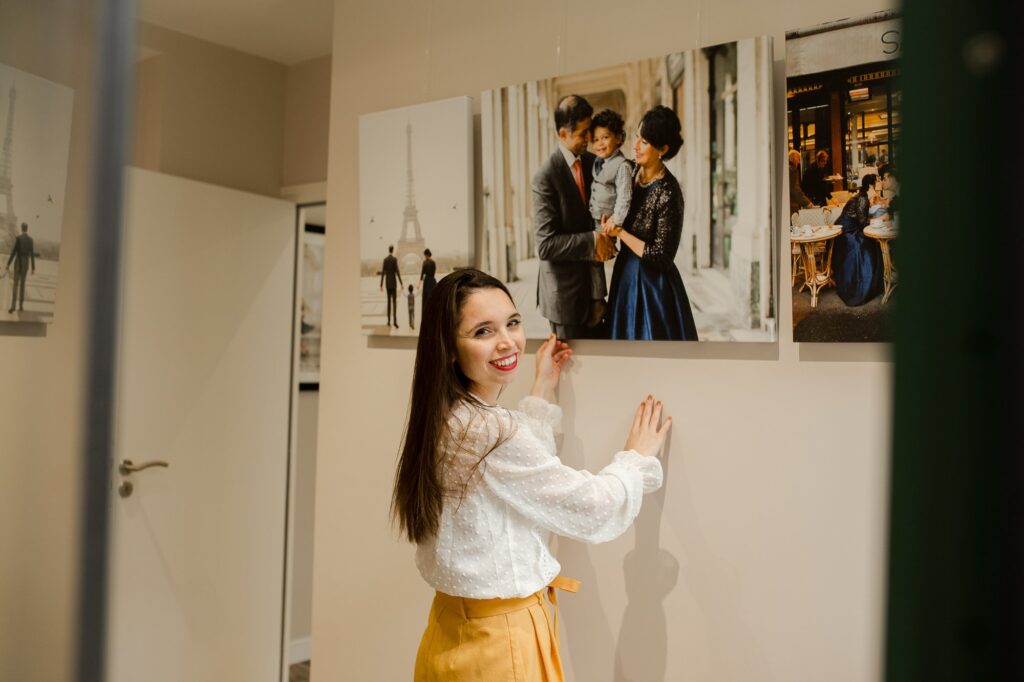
[(610, 191)]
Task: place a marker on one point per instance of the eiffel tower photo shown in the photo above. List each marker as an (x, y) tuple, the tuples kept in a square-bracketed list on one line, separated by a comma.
[(410, 247), (8, 219)]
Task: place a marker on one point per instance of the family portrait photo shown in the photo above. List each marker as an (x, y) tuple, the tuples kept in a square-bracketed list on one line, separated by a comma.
[(634, 202)]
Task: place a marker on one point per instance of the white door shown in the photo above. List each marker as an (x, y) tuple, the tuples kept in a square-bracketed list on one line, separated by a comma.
[(197, 555)]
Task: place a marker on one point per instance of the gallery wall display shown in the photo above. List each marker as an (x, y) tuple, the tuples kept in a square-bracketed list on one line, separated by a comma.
[(843, 104), (311, 276), (415, 208), (708, 275), (35, 115)]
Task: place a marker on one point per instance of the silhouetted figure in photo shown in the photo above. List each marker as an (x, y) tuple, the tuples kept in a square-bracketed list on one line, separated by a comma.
[(23, 256), (390, 276), (427, 276), (412, 306)]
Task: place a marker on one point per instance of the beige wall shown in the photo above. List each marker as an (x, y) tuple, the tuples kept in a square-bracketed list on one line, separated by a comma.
[(214, 114), (763, 559), (306, 121), (41, 375)]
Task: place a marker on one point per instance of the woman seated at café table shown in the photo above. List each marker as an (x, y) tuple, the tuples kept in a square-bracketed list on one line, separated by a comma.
[(856, 258)]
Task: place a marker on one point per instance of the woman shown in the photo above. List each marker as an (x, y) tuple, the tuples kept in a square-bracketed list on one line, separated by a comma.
[(427, 280), (855, 258), (480, 488), (647, 299)]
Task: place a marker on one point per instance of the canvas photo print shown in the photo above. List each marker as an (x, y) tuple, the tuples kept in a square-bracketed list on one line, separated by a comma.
[(415, 208), (601, 232), (843, 102), (35, 117)]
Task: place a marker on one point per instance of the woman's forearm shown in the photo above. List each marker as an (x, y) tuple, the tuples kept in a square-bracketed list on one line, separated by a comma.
[(544, 390), (635, 244)]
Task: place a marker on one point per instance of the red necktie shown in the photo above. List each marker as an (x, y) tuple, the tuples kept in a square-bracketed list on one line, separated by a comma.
[(577, 172)]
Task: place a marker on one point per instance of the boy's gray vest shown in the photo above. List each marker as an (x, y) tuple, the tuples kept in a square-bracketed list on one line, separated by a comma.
[(602, 190)]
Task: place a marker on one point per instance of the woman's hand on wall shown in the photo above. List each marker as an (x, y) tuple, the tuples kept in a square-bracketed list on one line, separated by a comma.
[(648, 432)]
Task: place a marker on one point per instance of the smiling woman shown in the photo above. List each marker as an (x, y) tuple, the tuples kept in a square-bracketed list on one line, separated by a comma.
[(490, 341), (480, 488)]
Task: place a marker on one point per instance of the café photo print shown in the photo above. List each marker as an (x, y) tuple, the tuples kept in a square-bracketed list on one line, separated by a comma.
[(843, 106)]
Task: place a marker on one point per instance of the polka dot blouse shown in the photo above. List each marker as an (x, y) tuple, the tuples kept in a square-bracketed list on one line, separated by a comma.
[(499, 511)]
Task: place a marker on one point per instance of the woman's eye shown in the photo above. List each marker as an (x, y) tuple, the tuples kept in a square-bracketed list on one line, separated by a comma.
[(514, 323), (482, 331)]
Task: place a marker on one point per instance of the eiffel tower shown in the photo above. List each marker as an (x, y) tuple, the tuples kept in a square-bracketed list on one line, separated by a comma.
[(410, 245), (8, 220)]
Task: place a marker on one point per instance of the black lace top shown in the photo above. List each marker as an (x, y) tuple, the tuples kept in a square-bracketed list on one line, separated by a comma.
[(856, 209), (656, 217)]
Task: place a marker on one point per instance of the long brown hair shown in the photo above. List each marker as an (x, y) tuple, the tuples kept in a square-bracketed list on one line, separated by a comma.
[(437, 387)]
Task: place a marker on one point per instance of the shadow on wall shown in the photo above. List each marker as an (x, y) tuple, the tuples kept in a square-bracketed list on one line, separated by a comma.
[(651, 573)]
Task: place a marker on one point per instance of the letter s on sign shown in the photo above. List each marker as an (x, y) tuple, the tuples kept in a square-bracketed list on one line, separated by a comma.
[(891, 38)]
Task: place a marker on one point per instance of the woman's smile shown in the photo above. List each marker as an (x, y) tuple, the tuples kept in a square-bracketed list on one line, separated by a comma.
[(507, 363)]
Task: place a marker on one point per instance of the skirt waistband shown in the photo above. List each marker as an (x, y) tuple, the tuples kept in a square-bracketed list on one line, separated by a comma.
[(484, 608)]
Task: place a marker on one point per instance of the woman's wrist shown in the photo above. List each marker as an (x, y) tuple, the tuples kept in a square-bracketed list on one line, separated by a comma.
[(543, 390)]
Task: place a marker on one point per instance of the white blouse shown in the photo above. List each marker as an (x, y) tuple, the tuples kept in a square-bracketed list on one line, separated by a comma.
[(492, 540)]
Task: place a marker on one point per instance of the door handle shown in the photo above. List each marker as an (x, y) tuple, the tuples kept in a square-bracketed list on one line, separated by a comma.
[(127, 466)]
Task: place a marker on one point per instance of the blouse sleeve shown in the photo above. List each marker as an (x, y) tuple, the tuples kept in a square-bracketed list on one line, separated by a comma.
[(660, 250), (592, 508), (623, 193), (544, 419)]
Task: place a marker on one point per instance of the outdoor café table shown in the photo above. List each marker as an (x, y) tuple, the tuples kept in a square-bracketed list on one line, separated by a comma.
[(883, 234), (816, 276)]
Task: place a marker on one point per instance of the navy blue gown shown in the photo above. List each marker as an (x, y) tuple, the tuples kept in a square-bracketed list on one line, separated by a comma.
[(647, 299), (856, 259)]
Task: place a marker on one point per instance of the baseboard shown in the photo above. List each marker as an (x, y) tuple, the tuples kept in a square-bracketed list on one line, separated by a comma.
[(300, 650)]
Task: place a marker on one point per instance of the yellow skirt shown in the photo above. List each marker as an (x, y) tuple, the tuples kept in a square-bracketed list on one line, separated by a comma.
[(492, 640)]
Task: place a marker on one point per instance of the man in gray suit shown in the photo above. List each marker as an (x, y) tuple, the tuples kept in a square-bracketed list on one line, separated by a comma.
[(22, 255), (390, 275), (566, 241)]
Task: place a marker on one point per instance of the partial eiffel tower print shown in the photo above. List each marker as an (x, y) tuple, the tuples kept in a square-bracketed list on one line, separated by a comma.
[(8, 218), (410, 248), (425, 204), (34, 161)]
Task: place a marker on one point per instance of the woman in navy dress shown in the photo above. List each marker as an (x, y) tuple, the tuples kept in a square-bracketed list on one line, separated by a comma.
[(647, 299), (856, 258), (427, 276)]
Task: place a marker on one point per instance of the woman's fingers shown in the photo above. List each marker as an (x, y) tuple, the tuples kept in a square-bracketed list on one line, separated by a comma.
[(665, 426)]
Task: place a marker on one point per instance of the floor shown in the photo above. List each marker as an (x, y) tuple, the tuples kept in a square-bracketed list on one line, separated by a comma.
[(299, 672), (832, 320)]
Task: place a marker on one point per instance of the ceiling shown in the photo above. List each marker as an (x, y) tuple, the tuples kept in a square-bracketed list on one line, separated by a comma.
[(284, 31)]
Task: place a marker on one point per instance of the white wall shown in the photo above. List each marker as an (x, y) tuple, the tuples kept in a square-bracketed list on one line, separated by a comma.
[(209, 113), (763, 559)]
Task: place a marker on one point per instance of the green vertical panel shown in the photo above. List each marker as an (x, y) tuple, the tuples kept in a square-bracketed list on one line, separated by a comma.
[(956, 531)]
